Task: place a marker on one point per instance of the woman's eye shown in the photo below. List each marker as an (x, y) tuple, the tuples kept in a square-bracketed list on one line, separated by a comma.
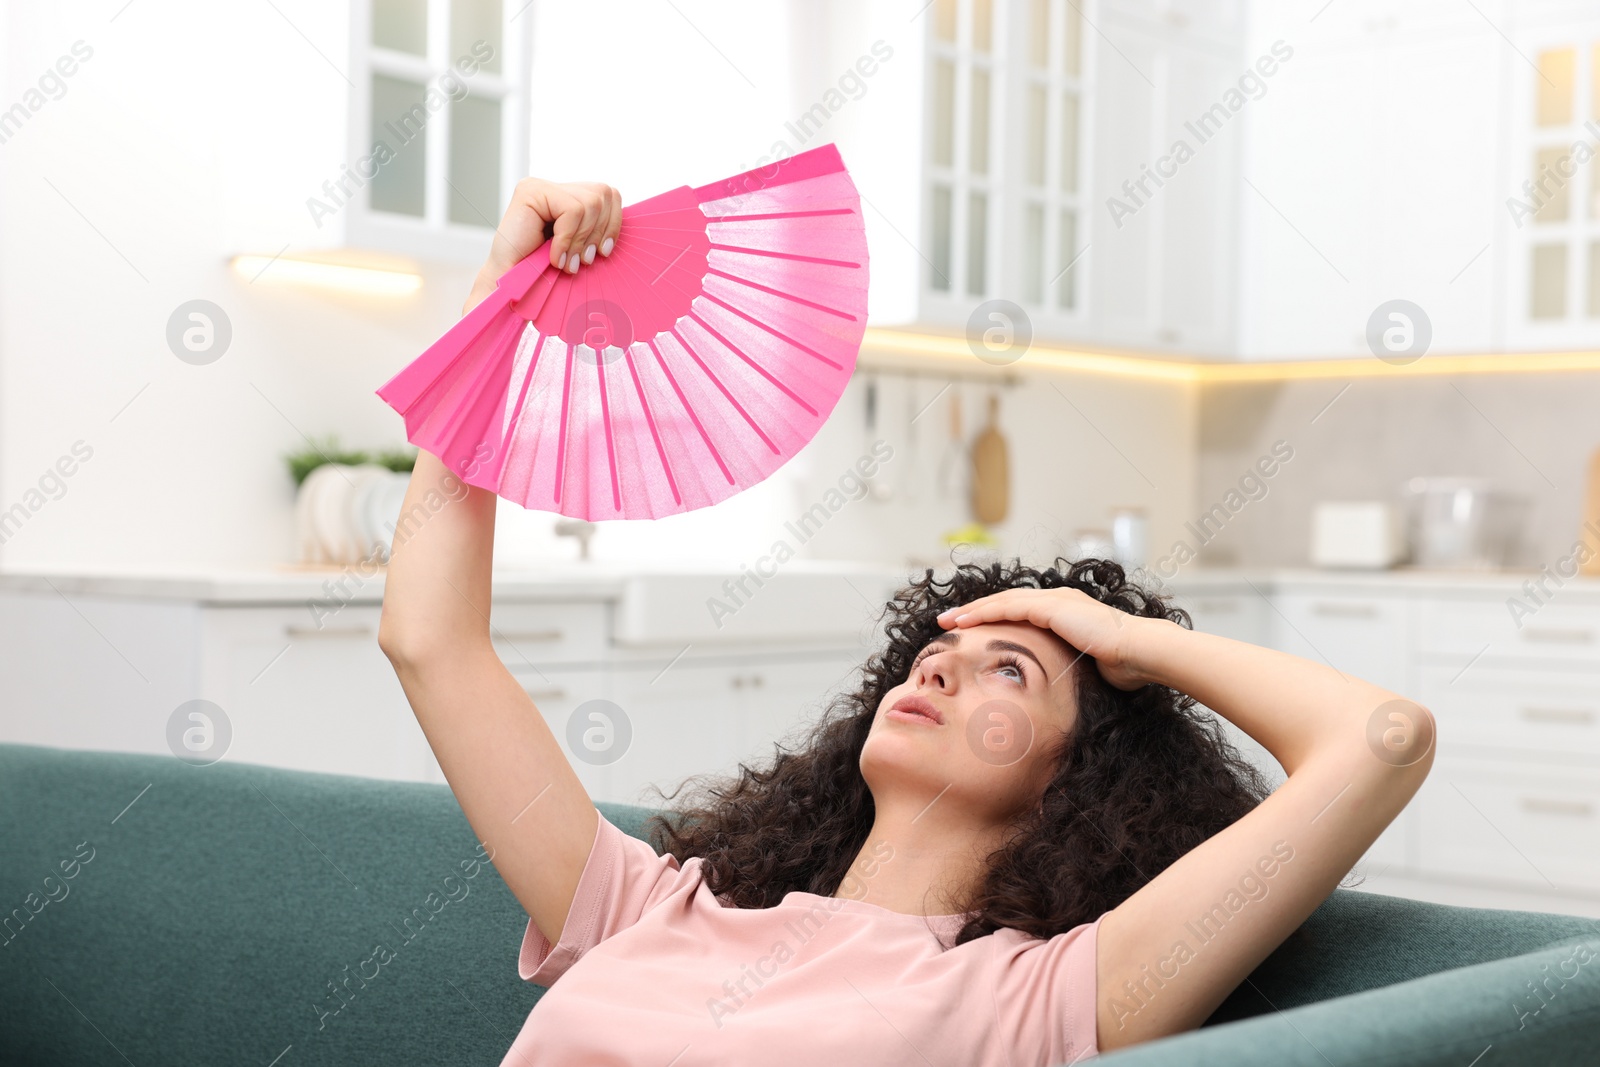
[(1015, 669)]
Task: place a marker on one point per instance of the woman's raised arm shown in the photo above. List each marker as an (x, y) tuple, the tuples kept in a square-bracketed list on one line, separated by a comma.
[(1355, 754), (506, 768)]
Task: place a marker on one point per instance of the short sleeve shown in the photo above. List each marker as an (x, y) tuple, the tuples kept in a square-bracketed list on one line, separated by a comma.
[(1045, 994), (622, 879)]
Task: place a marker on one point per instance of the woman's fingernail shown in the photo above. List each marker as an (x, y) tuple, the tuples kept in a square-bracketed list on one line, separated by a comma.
[(561, 264), (606, 246), (588, 254), (572, 267)]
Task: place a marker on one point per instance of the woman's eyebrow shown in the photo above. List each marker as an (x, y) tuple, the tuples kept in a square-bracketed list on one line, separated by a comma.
[(953, 637), (998, 645)]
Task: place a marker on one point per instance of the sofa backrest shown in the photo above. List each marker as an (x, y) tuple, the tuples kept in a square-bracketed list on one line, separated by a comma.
[(175, 914)]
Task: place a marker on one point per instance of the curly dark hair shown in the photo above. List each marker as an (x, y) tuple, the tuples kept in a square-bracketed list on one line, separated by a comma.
[(1144, 776)]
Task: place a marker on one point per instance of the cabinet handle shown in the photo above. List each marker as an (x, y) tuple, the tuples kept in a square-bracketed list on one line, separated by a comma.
[(1574, 715), (556, 693), (1553, 635), (1345, 611), (327, 631), (528, 635), (1217, 607), (755, 680), (1538, 806), (738, 681)]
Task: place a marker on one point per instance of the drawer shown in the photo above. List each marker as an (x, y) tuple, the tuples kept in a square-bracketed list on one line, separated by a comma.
[(1514, 710), (1364, 636), (1564, 632), (1240, 616), (1513, 823), (527, 635)]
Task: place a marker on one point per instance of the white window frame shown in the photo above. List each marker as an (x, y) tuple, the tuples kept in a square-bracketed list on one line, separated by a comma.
[(1005, 184), (434, 236), (1581, 228)]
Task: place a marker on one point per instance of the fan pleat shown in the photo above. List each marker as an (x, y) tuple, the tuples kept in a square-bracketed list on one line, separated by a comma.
[(689, 411)]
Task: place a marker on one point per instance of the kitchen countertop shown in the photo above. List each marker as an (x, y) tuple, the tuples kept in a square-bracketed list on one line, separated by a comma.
[(607, 581), (1497, 583), (360, 584)]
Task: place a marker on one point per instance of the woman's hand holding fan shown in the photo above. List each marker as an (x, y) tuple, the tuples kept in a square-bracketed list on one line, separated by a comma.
[(579, 219)]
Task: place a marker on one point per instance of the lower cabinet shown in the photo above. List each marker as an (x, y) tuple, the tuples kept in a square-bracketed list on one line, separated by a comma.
[(291, 693), (697, 717), (1515, 823)]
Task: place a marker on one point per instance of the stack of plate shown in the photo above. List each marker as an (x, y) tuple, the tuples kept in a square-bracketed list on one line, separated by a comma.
[(347, 514)]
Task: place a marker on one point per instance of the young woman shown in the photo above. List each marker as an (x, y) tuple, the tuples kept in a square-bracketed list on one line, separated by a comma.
[(1017, 842)]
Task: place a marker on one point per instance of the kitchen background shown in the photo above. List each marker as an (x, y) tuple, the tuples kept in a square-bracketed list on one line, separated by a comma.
[(1164, 238)]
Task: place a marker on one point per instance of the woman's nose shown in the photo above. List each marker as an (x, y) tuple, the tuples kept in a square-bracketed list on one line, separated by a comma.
[(935, 671)]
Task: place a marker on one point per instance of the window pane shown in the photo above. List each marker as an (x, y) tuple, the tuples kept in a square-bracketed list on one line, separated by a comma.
[(982, 25), (1036, 135), (1067, 251), (979, 149), (1074, 42), (1039, 33), (1548, 299), (1554, 209), (1555, 86), (944, 111), (977, 243), (1069, 142), (1594, 191), (401, 25), (399, 120), (1033, 256), (1594, 279), (1594, 82), (944, 19), (475, 161), (941, 239), (476, 23)]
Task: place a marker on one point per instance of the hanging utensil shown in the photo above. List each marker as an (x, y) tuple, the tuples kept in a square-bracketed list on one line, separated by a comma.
[(991, 487)]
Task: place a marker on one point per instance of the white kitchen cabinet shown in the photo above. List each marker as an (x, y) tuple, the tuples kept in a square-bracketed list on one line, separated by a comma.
[(699, 716), (1510, 822), (316, 698), (1360, 634), (1527, 713), (1373, 171)]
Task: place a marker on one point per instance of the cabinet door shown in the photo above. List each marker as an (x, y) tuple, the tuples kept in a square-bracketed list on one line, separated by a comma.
[(308, 694), (1508, 822), (779, 701), (1365, 636), (684, 721)]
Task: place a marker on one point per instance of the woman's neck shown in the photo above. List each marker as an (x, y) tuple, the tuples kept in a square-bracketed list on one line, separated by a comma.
[(920, 860)]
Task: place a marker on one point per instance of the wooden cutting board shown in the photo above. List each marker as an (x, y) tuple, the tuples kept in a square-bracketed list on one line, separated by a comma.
[(1590, 533), (991, 474)]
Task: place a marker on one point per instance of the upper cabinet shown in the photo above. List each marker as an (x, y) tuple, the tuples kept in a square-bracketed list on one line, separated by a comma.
[(1002, 176), (1044, 175), (1552, 191), (420, 160)]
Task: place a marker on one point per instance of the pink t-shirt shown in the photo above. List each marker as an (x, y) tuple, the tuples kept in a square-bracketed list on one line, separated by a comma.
[(653, 969)]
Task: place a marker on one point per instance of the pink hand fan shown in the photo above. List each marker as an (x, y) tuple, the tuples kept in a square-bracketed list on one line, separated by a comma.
[(690, 364)]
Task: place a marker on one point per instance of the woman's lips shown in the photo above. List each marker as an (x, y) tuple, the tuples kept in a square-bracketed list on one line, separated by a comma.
[(916, 709)]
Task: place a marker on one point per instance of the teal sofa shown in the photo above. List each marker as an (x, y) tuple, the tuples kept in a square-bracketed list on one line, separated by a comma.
[(158, 913)]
